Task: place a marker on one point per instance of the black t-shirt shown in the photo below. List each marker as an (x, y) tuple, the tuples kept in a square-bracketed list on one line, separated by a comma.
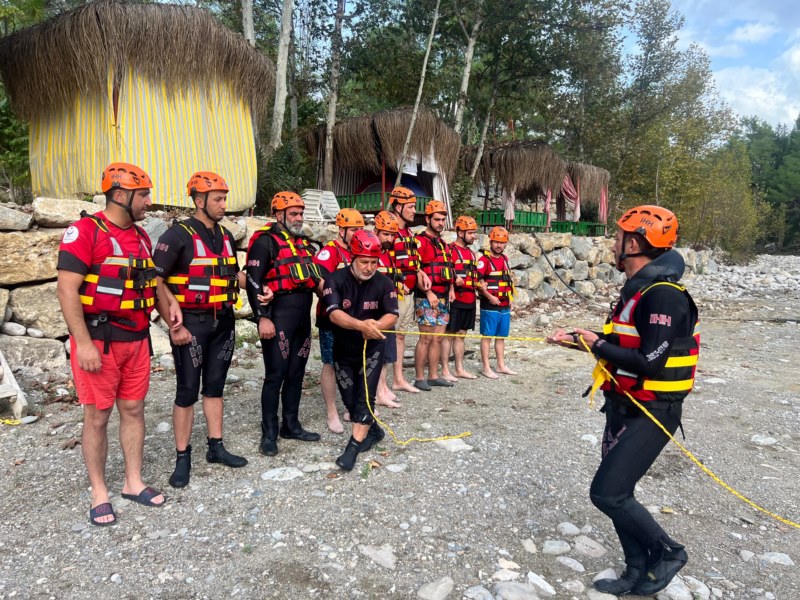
[(371, 299)]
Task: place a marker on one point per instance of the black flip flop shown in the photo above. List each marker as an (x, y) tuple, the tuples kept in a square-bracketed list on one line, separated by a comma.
[(145, 497), (440, 382), (102, 510)]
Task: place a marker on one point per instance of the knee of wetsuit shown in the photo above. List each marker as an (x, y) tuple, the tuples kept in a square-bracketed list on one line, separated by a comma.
[(186, 396), (213, 389), (607, 504), (362, 417)]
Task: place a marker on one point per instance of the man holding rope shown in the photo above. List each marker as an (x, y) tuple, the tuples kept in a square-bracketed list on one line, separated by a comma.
[(647, 353)]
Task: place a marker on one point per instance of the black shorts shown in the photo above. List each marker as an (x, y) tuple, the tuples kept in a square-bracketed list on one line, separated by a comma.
[(390, 355), (461, 318)]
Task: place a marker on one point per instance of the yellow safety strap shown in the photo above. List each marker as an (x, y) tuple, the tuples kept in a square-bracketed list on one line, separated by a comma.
[(667, 386), (131, 304), (682, 361)]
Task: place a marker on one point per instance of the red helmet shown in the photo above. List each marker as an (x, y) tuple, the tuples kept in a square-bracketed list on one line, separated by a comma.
[(124, 176), (365, 243), (658, 225), (206, 181)]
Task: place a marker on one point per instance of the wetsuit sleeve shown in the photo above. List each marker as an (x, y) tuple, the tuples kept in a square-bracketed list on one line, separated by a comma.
[(259, 260), (661, 317), (331, 295), (389, 305), (167, 252)]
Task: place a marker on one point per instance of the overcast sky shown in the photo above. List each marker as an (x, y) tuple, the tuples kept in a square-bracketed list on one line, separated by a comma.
[(754, 48)]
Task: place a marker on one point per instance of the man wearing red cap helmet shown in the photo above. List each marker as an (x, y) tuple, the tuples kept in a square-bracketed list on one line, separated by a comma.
[(650, 345), (361, 303), (106, 288)]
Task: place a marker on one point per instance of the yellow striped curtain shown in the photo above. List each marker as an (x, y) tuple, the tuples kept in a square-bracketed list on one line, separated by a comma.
[(170, 134)]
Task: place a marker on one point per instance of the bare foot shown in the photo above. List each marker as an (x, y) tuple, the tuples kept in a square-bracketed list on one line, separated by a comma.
[(506, 371), (405, 387), (449, 377), (334, 424), (465, 375), (388, 402), (346, 417), (490, 374)]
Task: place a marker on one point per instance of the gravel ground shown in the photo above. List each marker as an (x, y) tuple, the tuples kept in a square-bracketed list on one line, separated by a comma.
[(503, 513)]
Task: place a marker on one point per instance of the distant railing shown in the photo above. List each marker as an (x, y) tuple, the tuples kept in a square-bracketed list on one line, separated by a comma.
[(370, 202), (536, 221)]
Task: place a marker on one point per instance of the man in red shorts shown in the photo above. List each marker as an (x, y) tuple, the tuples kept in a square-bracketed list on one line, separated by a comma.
[(106, 288)]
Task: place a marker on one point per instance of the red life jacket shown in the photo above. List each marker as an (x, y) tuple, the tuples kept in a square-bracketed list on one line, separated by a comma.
[(406, 253), (676, 378), (440, 267), (466, 267), (293, 268), (344, 255), (210, 281), (120, 284), (498, 280), (388, 266)]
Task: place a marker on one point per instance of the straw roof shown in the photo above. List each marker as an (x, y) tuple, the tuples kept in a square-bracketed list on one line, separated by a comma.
[(46, 66), (527, 167), (361, 142), (592, 180)]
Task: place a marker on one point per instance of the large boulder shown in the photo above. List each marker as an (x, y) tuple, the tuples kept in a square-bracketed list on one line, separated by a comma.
[(60, 212), (252, 224), (516, 259), (689, 257), (544, 292), (525, 243), (535, 277), (237, 227), (580, 270), (522, 298), (520, 278), (585, 288), (30, 256), (155, 227), (551, 241), (14, 220), (26, 351), (3, 303), (37, 306), (594, 255), (581, 247), (563, 257)]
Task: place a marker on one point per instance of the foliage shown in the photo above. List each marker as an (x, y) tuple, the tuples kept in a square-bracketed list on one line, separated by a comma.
[(461, 193), (288, 169)]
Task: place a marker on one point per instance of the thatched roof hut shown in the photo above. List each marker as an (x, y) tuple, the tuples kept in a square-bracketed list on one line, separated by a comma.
[(586, 183), (163, 86), (526, 169), (366, 145)]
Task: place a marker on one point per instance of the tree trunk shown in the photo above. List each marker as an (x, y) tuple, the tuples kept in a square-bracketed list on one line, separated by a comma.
[(482, 142), (336, 51), (465, 75), (247, 22), (292, 91), (419, 95), (279, 107)]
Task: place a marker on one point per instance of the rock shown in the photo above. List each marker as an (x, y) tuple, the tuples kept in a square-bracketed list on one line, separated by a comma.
[(35, 333), (456, 445), (160, 341), (505, 575), (555, 547), (37, 306), (573, 585), (520, 278), (568, 529), (588, 547), (512, 590), (689, 257), (571, 563), (60, 212), (116, 578), (677, 590), (535, 277), (166, 361), (396, 468), (545, 291), (542, 321), (585, 288), (763, 440), (383, 556), (252, 224), (522, 298), (580, 270), (24, 351), (746, 555), (774, 558), (594, 256), (79, 527), (436, 590), (581, 247), (588, 437), (478, 592), (282, 474), (10, 328), (542, 587), (155, 227), (237, 227), (36, 250), (551, 241), (99, 200), (698, 589), (504, 563), (163, 427), (563, 257), (246, 331), (4, 293), (593, 594), (516, 259), (14, 220), (529, 546)]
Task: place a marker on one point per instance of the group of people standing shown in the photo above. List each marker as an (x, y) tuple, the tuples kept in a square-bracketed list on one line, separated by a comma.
[(372, 286)]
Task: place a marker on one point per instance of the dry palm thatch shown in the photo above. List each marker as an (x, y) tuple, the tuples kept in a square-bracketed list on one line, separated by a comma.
[(527, 167), (592, 180), (45, 67), (361, 142)]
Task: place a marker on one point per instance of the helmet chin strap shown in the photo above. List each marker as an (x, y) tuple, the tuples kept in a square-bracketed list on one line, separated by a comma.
[(128, 207), (653, 252)]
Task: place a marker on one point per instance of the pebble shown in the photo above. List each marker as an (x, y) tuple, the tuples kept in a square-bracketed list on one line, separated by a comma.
[(282, 474), (573, 585), (396, 468), (504, 563), (252, 384), (505, 575), (116, 578), (9, 328), (763, 440), (746, 555), (588, 437), (529, 546), (478, 592), (593, 594), (541, 585), (232, 378), (568, 529), (315, 468), (166, 361), (677, 590), (605, 574), (436, 590), (571, 563), (699, 589), (163, 427), (35, 333), (555, 547), (79, 527), (512, 590), (383, 556), (713, 380), (457, 445), (776, 558), (588, 547)]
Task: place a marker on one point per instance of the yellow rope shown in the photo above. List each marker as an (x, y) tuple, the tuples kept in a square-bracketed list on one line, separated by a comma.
[(691, 456), (10, 422)]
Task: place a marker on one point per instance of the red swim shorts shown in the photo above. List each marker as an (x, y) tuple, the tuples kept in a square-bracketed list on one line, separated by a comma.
[(124, 375)]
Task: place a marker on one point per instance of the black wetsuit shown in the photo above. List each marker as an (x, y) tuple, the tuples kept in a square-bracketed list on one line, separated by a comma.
[(362, 300), (208, 355)]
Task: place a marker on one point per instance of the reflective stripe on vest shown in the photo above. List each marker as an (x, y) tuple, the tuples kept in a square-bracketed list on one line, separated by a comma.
[(406, 252), (440, 268), (292, 269), (465, 268), (498, 280), (210, 281)]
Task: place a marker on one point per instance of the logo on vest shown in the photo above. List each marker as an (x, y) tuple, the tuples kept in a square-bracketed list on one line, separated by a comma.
[(70, 235)]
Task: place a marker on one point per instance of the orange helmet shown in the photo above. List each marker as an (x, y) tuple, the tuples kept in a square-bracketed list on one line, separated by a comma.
[(284, 200), (365, 243), (499, 234), (206, 181), (465, 223), (402, 195), (385, 221), (124, 176), (434, 206), (658, 225), (349, 217)]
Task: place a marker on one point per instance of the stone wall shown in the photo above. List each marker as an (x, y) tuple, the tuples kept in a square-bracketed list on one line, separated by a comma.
[(33, 332)]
